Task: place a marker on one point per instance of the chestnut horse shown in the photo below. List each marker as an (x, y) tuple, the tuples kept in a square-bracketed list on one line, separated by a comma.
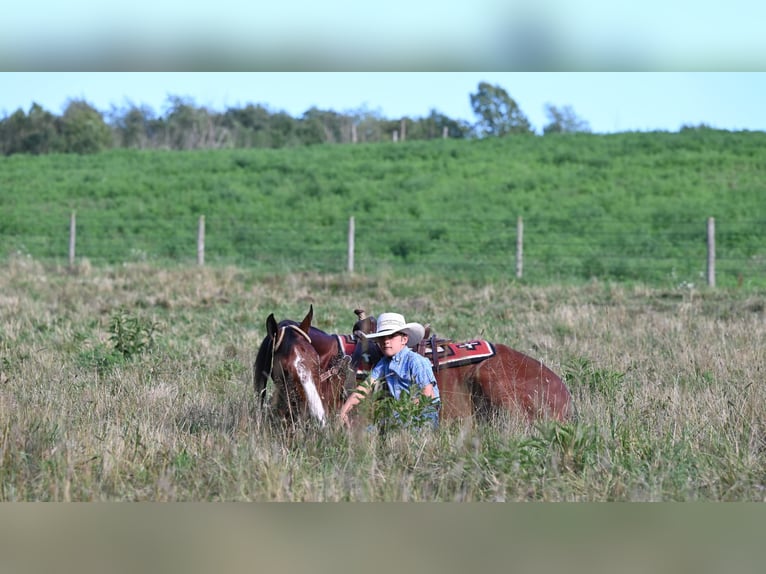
[(507, 380), (309, 368), (310, 372)]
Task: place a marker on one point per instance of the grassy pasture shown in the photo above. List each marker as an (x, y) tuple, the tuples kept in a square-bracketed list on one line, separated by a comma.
[(619, 207), (133, 382)]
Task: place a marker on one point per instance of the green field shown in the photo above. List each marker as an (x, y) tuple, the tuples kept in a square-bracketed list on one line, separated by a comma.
[(134, 383), (128, 375), (630, 207)]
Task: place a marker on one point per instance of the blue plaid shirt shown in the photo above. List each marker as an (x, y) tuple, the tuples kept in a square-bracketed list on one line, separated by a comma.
[(404, 370)]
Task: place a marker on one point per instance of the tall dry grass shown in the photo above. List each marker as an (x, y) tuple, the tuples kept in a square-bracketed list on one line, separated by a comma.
[(668, 385)]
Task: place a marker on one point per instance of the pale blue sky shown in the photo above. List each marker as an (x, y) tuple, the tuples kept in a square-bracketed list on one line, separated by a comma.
[(610, 102), (576, 35)]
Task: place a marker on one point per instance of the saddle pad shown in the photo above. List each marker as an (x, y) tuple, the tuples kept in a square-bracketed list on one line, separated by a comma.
[(455, 354)]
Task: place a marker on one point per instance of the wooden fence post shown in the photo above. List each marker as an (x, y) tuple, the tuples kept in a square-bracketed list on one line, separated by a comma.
[(72, 235), (519, 247), (711, 252), (201, 241), (351, 244), (403, 124)]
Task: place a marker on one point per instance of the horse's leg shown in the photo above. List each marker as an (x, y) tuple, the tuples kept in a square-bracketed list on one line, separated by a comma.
[(456, 392), (494, 382)]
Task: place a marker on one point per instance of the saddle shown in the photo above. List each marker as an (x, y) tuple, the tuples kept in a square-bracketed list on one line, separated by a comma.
[(445, 353), (440, 351), (431, 347)]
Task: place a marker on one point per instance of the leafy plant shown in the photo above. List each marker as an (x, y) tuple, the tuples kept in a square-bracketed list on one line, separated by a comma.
[(131, 335), (412, 410)]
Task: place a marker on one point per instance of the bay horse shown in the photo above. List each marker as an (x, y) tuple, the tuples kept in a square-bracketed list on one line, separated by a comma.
[(309, 368), (476, 376)]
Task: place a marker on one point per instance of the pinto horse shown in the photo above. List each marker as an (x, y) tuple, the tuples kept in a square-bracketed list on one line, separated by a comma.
[(476, 377), (308, 366)]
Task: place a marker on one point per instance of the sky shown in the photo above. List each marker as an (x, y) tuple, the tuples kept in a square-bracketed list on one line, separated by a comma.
[(410, 35), (609, 101)]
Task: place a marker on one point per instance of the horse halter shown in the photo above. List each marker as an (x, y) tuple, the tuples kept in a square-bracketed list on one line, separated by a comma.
[(281, 336)]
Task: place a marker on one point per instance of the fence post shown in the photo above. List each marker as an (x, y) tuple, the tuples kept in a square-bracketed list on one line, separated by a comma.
[(201, 241), (519, 247), (711, 252), (351, 244), (72, 235)]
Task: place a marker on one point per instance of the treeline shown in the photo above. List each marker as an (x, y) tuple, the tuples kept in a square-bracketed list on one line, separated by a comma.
[(83, 129)]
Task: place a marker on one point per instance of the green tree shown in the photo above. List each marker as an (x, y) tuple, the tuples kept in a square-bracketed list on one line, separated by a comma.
[(328, 126), (433, 126), (83, 128), (192, 127), (369, 125), (282, 128), (135, 126), (563, 121), (33, 133), (498, 113), (249, 125)]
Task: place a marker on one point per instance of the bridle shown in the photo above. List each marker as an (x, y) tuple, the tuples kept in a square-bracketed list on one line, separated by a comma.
[(280, 335)]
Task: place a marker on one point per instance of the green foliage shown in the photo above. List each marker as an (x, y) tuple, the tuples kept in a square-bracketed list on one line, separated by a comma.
[(625, 207), (498, 113), (32, 133), (563, 121), (83, 129), (412, 410), (183, 125), (131, 335)]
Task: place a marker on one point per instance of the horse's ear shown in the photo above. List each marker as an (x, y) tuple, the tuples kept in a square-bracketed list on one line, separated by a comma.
[(271, 325), (306, 323)]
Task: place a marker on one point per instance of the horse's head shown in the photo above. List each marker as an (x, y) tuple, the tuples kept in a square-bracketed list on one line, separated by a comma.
[(288, 356)]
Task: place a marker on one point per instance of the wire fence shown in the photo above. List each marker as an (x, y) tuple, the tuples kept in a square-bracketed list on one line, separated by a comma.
[(482, 248)]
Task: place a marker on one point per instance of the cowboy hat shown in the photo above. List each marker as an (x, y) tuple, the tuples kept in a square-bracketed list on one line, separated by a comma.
[(390, 323)]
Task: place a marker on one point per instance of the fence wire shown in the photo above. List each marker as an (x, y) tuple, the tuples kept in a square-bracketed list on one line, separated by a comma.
[(475, 248)]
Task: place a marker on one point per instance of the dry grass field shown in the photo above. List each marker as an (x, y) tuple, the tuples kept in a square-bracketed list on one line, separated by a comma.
[(133, 382)]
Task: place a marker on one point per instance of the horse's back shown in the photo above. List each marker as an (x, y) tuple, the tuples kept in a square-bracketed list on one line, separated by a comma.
[(530, 382), (510, 380)]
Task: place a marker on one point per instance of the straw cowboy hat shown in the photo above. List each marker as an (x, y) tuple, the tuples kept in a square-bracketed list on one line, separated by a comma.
[(390, 323)]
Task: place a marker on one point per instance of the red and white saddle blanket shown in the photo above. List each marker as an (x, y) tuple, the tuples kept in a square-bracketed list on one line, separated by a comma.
[(448, 353)]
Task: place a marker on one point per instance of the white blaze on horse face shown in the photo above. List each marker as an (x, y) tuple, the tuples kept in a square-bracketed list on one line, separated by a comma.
[(312, 394)]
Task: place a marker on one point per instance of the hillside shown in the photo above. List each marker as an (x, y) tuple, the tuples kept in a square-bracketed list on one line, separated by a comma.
[(626, 207)]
